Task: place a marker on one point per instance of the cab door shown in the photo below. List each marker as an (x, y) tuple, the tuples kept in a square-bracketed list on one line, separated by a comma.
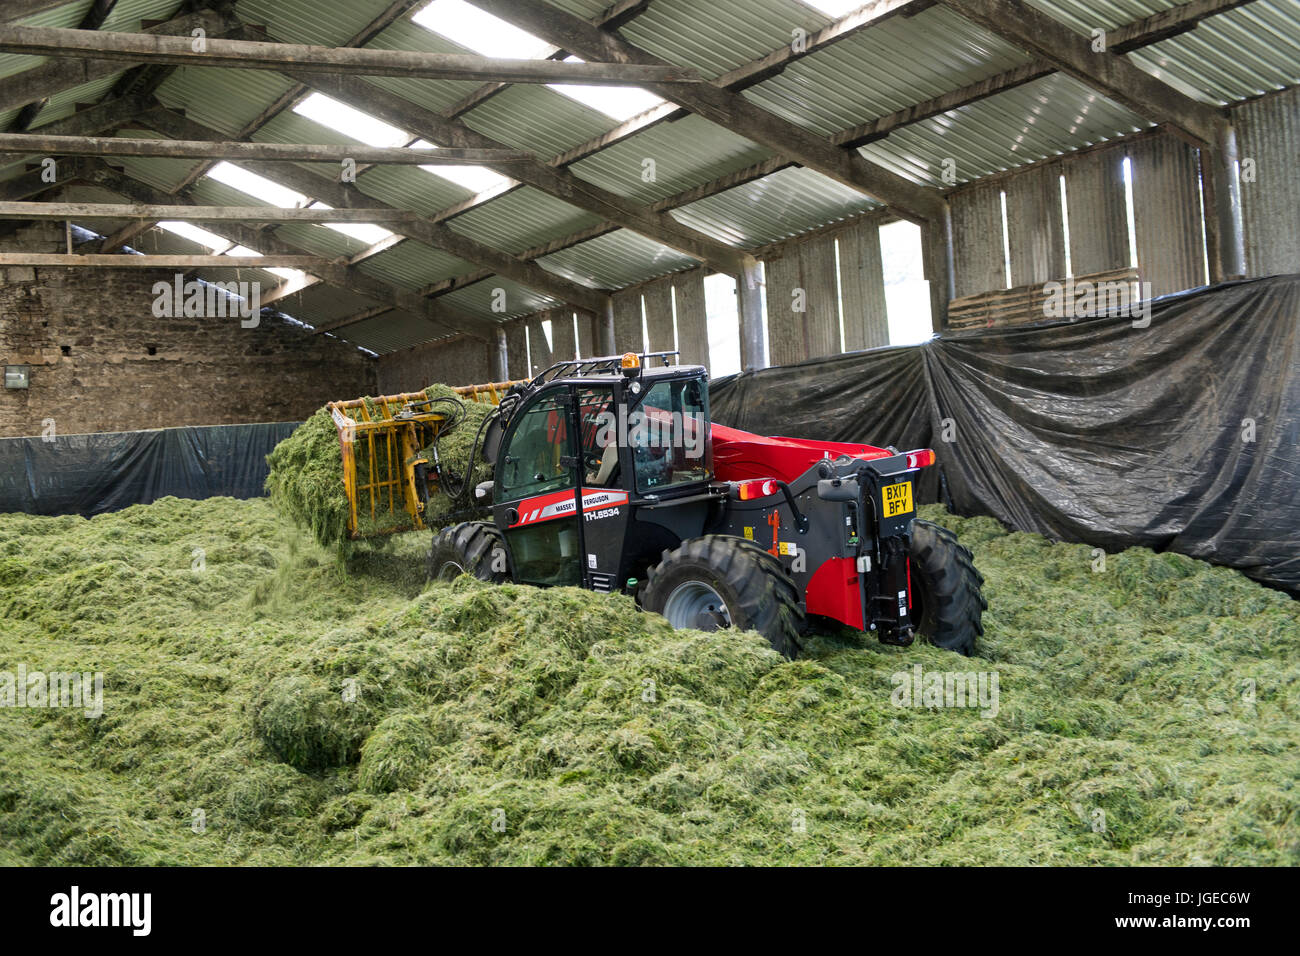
[(536, 492)]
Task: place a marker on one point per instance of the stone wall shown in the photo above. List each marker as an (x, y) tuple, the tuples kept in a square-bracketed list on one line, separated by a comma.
[(102, 361), (459, 361)]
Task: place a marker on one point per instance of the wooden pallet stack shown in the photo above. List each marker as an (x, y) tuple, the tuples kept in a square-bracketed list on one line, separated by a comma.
[(1030, 304)]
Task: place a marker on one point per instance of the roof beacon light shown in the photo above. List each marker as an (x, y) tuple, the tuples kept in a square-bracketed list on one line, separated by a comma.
[(631, 364)]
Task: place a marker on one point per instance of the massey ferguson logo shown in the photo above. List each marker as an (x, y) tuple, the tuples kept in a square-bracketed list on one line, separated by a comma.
[(562, 505)]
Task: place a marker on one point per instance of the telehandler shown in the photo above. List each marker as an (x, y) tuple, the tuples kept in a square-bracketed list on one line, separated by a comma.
[(609, 475)]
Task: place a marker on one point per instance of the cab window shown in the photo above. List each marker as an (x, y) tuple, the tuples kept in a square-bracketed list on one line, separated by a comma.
[(532, 462), (669, 437), (599, 437)]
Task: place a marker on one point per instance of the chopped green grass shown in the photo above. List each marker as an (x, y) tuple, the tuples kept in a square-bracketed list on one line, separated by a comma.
[(326, 713), (305, 482)]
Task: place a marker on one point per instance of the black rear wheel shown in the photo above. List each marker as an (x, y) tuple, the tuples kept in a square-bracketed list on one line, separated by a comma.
[(719, 581), (472, 547), (947, 602)]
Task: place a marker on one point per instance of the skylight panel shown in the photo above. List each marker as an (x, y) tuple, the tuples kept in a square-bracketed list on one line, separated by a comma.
[(367, 232), (477, 179), (188, 230), (619, 102), (257, 186), (476, 30), (480, 31), (834, 8), (352, 123), (282, 273)]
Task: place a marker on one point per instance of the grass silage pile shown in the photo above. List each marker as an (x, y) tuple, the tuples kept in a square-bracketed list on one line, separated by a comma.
[(317, 714), (306, 477)]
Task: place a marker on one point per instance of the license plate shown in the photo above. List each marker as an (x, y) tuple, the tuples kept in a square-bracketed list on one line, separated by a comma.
[(896, 499)]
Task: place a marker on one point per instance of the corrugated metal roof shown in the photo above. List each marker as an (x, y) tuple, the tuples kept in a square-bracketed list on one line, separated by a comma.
[(1240, 54), (479, 298), (887, 67), (318, 240), (895, 64), (65, 104), (431, 94), (311, 21), (164, 174), (225, 100), (721, 35), (538, 119), (784, 204), (522, 219), (126, 15), (389, 332), (66, 16), (685, 154), (410, 187), (412, 265), (1031, 122), (323, 303), (617, 259)]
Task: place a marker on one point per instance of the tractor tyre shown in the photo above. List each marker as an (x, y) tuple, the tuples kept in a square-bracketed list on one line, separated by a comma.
[(947, 602), (468, 548), (718, 581)]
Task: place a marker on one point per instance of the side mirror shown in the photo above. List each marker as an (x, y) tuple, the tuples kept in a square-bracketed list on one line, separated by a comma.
[(492, 440)]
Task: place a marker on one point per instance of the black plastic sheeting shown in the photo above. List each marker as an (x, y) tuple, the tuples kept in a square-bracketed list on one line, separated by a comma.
[(1094, 431), (107, 471)]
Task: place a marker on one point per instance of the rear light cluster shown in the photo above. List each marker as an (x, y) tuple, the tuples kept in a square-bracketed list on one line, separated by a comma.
[(757, 488), (922, 458)]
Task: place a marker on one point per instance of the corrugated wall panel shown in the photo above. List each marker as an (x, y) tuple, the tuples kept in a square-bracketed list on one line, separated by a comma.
[(516, 350), (977, 240), (1269, 136), (539, 349), (563, 344), (862, 287), (1167, 214), (692, 319), (588, 343), (1094, 197), (658, 297), (822, 320), (1034, 227), (628, 336), (785, 344), (803, 276)]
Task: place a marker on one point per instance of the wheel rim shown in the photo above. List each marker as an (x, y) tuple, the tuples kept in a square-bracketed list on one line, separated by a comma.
[(698, 606), (449, 571)]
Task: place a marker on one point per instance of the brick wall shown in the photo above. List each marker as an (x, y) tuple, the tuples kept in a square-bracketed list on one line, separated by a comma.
[(101, 361)]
